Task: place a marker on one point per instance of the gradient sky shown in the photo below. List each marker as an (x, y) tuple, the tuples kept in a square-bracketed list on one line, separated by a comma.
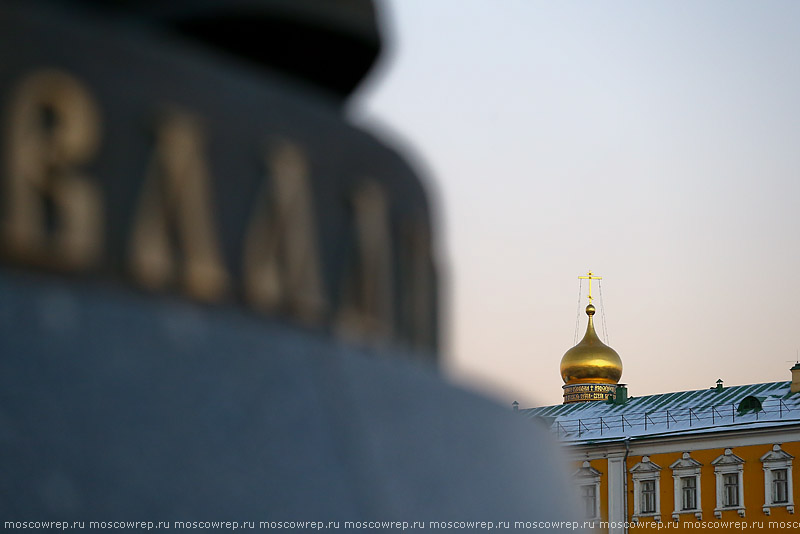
[(656, 143)]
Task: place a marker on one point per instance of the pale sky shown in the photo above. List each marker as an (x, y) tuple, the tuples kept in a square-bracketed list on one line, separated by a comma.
[(655, 143)]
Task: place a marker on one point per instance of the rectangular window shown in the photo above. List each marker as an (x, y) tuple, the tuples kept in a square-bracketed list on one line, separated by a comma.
[(689, 493), (648, 496), (730, 490), (780, 493), (589, 499)]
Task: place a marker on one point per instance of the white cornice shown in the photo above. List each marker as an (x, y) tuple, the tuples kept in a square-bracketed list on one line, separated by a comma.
[(685, 443)]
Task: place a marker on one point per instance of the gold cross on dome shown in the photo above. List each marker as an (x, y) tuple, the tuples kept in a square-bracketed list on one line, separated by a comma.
[(590, 276)]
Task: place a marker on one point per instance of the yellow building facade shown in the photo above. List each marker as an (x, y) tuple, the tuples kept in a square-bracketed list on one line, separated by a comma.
[(721, 458), (722, 480)]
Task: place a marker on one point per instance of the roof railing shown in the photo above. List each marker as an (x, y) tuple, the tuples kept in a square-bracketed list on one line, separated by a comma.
[(693, 417)]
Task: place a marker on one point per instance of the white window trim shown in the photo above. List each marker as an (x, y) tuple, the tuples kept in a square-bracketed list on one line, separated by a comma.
[(686, 467), (777, 458), (587, 476), (645, 470), (726, 464)]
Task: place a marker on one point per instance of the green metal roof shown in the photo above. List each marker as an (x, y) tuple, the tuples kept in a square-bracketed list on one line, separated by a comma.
[(679, 412)]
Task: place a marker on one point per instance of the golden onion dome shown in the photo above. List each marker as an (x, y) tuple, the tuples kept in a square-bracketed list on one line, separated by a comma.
[(591, 361)]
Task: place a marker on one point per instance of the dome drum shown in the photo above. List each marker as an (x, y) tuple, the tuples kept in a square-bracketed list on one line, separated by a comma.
[(588, 392)]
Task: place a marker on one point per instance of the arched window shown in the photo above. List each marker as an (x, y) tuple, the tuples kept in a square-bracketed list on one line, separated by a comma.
[(777, 465), (728, 469), (686, 482), (587, 478), (646, 489)]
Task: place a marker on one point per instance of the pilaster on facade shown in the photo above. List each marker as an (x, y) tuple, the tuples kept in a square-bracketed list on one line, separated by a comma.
[(687, 491), (777, 465), (728, 469), (616, 493), (646, 490)]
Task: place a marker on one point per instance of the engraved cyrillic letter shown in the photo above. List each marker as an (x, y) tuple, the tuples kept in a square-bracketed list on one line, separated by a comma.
[(52, 212), (417, 300), (174, 239), (281, 263), (367, 310)]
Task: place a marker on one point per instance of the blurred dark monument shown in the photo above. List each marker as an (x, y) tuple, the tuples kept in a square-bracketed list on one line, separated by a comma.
[(217, 298)]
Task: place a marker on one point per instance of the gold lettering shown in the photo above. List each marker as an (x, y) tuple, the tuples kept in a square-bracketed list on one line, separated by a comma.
[(177, 197), (53, 212), (281, 264), (367, 311)]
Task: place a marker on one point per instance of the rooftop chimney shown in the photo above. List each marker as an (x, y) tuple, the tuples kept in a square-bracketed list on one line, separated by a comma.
[(795, 387), (621, 394)]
